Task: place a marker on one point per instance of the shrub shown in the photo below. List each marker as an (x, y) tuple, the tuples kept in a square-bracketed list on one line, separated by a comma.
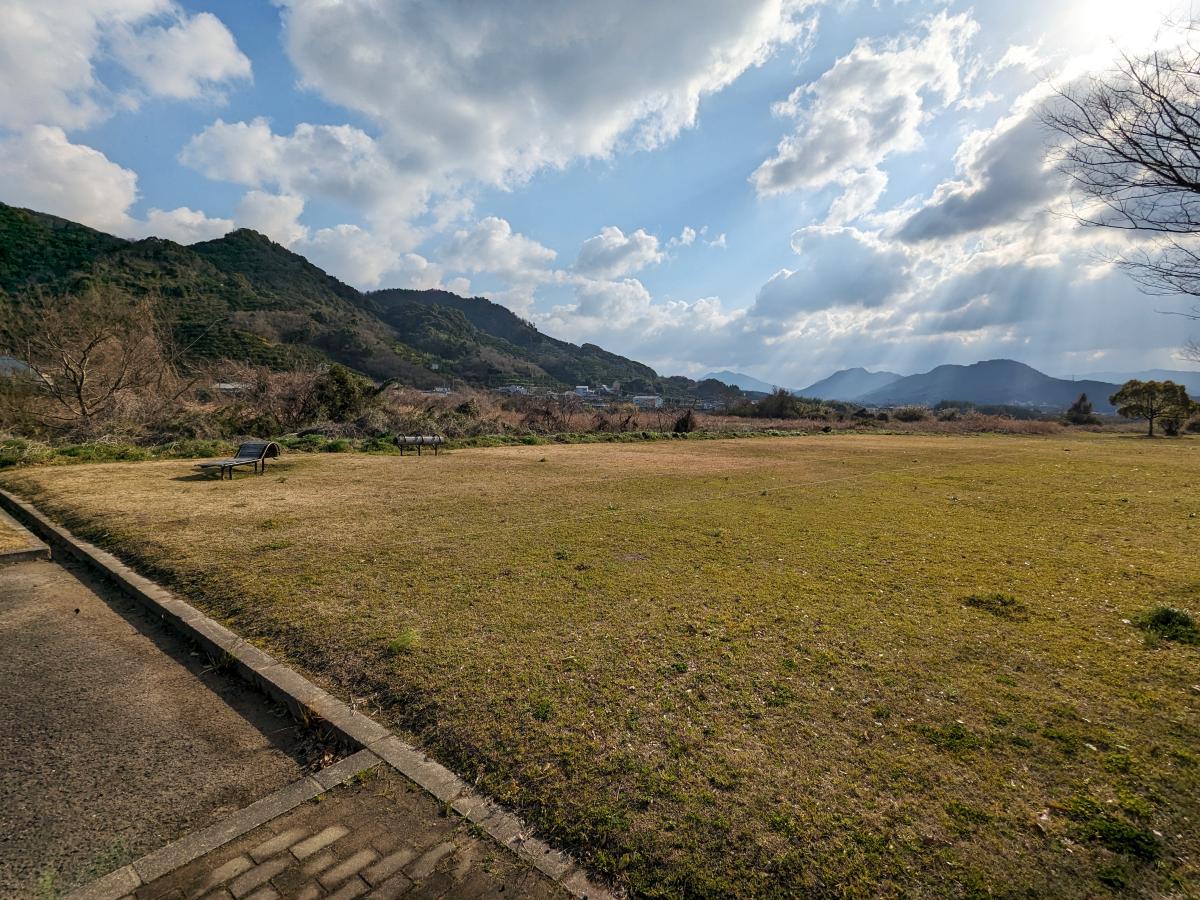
[(22, 452), (342, 394), (911, 414), (685, 424), (1170, 623), (104, 451), (1193, 426)]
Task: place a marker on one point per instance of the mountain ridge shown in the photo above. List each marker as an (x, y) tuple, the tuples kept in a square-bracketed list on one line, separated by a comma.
[(848, 384), (244, 297), (741, 381), (1001, 382)]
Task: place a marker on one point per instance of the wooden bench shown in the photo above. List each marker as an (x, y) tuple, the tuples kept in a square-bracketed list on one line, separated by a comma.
[(423, 440), (251, 453)]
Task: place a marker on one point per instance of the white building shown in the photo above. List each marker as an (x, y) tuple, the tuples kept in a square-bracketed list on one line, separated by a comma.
[(648, 401)]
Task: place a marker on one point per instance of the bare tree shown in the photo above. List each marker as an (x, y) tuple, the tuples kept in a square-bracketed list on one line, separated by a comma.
[(1130, 142), (89, 353)]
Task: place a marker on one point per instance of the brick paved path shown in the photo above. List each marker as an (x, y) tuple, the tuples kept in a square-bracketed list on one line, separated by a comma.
[(382, 837)]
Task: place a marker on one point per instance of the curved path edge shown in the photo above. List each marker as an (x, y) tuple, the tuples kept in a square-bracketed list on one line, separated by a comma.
[(374, 742)]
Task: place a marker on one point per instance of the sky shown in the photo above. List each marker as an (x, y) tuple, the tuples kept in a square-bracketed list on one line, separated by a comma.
[(777, 187)]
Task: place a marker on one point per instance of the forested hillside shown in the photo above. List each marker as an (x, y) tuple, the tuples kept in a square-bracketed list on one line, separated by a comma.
[(244, 297)]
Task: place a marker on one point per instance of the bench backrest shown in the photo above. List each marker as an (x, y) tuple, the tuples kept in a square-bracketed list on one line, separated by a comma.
[(411, 440), (258, 450)]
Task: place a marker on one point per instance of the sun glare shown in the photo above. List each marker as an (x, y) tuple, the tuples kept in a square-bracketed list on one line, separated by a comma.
[(1125, 24)]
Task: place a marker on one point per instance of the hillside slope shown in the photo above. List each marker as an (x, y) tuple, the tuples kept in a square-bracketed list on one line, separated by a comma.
[(994, 381), (510, 334), (246, 298)]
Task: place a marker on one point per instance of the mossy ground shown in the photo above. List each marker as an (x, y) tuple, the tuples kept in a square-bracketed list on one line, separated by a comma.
[(740, 667)]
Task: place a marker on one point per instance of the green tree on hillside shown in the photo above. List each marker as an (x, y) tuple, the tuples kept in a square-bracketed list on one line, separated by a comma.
[(1152, 401)]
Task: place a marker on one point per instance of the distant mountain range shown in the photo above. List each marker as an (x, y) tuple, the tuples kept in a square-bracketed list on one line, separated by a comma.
[(996, 382), (741, 381), (993, 382), (849, 384), (1191, 380)]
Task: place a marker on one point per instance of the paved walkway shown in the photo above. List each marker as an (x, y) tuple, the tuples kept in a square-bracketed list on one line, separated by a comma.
[(116, 738), (123, 746), (381, 837)]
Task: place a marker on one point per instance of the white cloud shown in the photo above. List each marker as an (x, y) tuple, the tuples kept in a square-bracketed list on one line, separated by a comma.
[(185, 226), (48, 52), (838, 267), (492, 246), (336, 162), (353, 254), (275, 215), (861, 192), (612, 253), (493, 92), (870, 105), (1004, 177), (183, 60), (686, 238), (41, 169)]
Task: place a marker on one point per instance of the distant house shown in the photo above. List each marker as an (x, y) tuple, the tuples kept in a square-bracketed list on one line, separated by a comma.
[(10, 366), (583, 390), (648, 401), (513, 390)]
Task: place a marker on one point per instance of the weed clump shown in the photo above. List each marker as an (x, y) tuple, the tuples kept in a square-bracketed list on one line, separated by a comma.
[(1170, 623), (408, 640), (955, 737), (1003, 606)]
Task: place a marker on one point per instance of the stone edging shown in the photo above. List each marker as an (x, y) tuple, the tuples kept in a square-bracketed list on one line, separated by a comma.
[(304, 698), (35, 549)]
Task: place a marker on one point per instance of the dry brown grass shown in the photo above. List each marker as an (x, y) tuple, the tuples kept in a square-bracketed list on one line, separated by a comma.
[(12, 538), (740, 667)]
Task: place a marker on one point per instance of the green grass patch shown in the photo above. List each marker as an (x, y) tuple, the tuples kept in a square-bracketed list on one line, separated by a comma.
[(406, 641), (1169, 623)]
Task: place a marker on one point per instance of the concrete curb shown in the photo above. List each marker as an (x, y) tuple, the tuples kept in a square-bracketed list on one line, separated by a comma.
[(35, 549), (304, 698)]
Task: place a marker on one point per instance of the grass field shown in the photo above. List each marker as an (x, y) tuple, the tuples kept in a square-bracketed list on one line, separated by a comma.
[(754, 667)]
